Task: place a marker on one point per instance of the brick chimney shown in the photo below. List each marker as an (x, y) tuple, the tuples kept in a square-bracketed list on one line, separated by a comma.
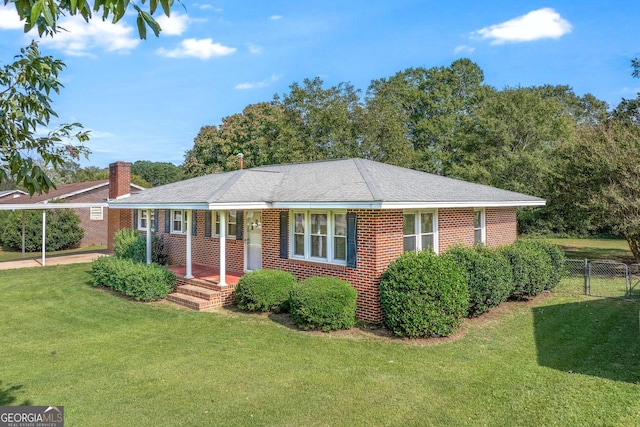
[(119, 185), (119, 179)]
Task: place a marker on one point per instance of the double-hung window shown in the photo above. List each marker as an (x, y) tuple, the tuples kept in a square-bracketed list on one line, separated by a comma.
[(143, 221), (420, 230), (232, 223), (479, 230), (319, 236), (179, 222)]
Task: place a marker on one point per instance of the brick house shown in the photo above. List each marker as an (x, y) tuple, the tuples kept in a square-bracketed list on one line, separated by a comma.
[(344, 218), (93, 219)]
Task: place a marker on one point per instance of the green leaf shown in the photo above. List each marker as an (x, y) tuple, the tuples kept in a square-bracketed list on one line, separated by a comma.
[(36, 11), (142, 29)]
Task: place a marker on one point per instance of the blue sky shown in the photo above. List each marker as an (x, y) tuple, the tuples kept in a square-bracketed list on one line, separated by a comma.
[(147, 100)]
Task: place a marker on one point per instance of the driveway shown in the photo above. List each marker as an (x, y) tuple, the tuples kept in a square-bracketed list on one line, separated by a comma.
[(52, 260)]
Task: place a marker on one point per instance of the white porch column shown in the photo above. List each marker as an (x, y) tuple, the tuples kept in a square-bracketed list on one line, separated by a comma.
[(44, 234), (23, 234), (223, 248), (149, 236), (188, 273)]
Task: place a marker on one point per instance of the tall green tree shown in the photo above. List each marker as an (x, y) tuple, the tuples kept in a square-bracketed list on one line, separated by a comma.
[(438, 105), (157, 173), (602, 175)]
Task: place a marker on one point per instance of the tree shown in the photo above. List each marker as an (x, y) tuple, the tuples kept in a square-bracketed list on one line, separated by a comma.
[(438, 106), (603, 173), (157, 173), (43, 15), (26, 86)]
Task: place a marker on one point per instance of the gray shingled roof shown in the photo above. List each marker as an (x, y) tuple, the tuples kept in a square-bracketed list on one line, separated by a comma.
[(329, 184)]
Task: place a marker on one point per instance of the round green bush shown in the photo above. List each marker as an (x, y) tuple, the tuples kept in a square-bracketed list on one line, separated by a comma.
[(62, 229), (556, 256), (531, 268), (488, 275), (325, 303), (423, 295), (265, 290)]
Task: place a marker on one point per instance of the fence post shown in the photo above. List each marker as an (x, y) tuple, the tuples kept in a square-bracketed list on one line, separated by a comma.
[(586, 276)]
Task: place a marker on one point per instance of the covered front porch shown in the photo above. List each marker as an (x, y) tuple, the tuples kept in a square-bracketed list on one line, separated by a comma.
[(204, 290)]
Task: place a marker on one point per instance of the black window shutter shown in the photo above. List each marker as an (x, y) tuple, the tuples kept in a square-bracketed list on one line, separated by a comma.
[(284, 234), (156, 218), (167, 220), (239, 225), (352, 239), (135, 219), (194, 221), (207, 223)]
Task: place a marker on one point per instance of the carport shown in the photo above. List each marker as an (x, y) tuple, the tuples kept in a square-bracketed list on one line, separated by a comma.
[(44, 207)]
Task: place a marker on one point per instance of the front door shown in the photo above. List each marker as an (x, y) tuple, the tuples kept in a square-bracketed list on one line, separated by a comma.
[(253, 242)]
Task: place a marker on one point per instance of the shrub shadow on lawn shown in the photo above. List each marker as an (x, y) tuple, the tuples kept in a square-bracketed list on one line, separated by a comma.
[(8, 396), (598, 337)]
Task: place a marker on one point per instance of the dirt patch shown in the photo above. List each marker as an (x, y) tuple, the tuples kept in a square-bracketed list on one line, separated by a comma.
[(368, 331)]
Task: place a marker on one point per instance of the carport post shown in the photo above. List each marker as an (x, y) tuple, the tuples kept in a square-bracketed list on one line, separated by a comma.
[(44, 233), (23, 233)]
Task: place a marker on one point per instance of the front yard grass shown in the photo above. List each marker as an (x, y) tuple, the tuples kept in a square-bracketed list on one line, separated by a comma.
[(564, 360)]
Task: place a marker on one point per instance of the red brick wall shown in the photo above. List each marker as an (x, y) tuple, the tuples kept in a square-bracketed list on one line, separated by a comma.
[(501, 226), (95, 231), (379, 242)]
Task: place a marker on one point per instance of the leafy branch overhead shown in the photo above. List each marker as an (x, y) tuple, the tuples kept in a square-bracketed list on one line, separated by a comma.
[(26, 86), (44, 14)]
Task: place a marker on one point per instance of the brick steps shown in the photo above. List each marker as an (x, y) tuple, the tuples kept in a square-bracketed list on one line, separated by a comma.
[(198, 294)]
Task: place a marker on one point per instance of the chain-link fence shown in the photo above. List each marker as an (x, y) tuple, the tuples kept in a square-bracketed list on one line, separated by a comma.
[(609, 279)]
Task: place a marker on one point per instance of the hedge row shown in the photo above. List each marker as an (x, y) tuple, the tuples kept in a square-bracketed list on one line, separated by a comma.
[(325, 303), (136, 280), (424, 294)]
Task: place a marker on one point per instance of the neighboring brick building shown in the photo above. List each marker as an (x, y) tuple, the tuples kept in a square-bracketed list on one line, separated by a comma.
[(94, 220), (342, 218)]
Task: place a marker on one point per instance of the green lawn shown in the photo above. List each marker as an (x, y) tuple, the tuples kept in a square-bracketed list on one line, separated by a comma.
[(595, 249), (565, 360)]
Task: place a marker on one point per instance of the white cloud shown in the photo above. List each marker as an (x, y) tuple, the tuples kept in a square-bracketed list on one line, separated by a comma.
[(174, 25), (209, 7), (203, 49), (464, 49), (9, 19), (82, 39), (275, 17), (256, 85), (535, 25)]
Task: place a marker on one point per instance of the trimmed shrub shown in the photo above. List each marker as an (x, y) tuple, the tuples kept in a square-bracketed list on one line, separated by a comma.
[(325, 303), (62, 228), (136, 280), (130, 244), (557, 260), (531, 269), (488, 275), (423, 295), (265, 290)]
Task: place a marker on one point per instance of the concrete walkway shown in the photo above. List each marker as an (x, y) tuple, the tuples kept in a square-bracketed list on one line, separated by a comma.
[(52, 260)]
